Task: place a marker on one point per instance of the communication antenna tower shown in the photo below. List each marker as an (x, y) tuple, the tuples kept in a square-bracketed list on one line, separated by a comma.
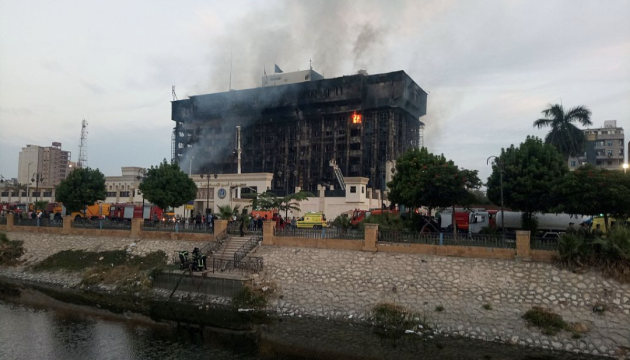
[(174, 95), (83, 147)]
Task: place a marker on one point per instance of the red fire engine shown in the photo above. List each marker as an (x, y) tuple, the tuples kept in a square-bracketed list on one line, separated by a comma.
[(126, 212)]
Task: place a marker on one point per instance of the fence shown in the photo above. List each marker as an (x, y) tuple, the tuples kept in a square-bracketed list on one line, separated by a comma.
[(481, 240), (242, 252), (251, 265), (550, 244), (325, 233), (101, 224), (42, 222)]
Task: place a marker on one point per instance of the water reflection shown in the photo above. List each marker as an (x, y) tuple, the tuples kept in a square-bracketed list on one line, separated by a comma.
[(27, 333), (40, 332)]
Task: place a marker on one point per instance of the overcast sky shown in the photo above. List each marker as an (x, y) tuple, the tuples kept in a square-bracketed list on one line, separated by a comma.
[(490, 67)]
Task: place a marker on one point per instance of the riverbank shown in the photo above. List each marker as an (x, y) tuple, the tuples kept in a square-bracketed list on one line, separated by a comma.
[(477, 299)]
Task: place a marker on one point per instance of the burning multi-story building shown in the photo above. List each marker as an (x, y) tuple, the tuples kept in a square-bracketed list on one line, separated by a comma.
[(297, 123)]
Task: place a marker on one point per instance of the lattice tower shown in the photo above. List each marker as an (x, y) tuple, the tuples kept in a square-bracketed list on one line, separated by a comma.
[(83, 158)]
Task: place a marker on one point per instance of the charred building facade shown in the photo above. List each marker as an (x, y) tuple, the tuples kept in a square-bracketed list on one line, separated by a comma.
[(293, 130)]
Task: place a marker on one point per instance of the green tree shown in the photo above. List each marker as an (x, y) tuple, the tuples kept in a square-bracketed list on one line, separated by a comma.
[(425, 179), (167, 186), (82, 187), (41, 205), (592, 191), (564, 136), (269, 201), (530, 172), (292, 201), (226, 212)]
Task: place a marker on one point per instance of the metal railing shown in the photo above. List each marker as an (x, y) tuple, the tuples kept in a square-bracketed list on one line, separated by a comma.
[(537, 243), (251, 265), (214, 246), (481, 240), (42, 222), (242, 252), (325, 233), (101, 224)]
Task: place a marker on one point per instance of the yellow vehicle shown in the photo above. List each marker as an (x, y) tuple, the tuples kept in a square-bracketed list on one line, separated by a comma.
[(600, 220), (312, 220), (93, 212)]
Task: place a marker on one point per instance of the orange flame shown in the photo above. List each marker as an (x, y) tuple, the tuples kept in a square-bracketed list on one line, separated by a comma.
[(356, 118)]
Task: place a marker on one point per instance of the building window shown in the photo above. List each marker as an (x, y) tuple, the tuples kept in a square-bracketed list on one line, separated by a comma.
[(47, 193), (609, 153), (599, 162), (5, 193), (609, 143), (23, 193), (124, 194), (572, 163), (609, 162), (353, 189), (111, 194), (362, 189), (600, 143)]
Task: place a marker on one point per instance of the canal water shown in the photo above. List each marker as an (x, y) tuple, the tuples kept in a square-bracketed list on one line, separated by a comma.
[(43, 328)]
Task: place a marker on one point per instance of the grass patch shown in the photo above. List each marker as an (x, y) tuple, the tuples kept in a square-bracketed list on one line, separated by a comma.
[(393, 320), (439, 308), (248, 299), (128, 273), (549, 322), (10, 250), (487, 307), (79, 260)]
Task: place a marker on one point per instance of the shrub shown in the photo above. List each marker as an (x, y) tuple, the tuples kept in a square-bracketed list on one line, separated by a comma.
[(393, 320), (573, 251), (248, 299), (487, 307), (614, 259), (10, 251), (549, 322)]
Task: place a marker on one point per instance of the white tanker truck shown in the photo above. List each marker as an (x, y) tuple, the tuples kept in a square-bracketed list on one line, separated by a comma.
[(549, 225)]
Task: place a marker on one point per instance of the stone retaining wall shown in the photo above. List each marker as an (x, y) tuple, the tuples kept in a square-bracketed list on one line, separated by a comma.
[(337, 283), (348, 283)]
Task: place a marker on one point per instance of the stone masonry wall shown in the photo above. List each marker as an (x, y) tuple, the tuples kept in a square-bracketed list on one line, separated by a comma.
[(337, 283), (347, 284)]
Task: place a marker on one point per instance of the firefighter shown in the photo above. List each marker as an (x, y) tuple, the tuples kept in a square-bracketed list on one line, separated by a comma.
[(199, 259)]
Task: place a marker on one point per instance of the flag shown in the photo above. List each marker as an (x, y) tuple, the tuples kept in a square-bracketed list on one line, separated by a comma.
[(277, 69)]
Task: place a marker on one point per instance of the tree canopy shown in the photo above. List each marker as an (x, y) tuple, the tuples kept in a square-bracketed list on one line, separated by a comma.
[(592, 191), (167, 186), (83, 186), (269, 201), (564, 136), (530, 172), (425, 179)]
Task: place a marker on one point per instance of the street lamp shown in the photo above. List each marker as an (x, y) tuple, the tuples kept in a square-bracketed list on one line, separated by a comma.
[(625, 167), (142, 175), (500, 163), (208, 189), (37, 177)]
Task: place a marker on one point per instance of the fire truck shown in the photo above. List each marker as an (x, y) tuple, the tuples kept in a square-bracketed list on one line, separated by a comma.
[(359, 215), (16, 208), (126, 212)]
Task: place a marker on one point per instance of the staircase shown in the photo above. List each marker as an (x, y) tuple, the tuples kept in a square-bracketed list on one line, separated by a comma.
[(230, 247)]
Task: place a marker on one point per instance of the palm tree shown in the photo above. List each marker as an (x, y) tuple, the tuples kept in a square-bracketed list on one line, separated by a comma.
[(564, 136)]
